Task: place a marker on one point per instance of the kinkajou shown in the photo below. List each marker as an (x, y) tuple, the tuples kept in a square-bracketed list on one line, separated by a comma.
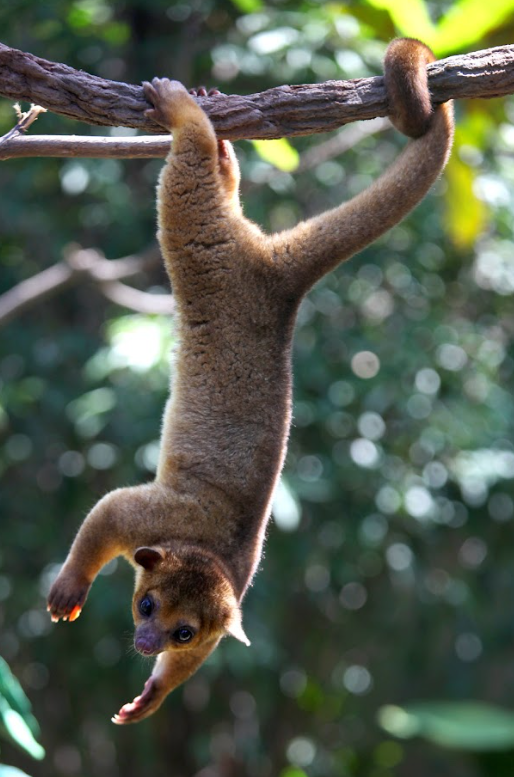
[(195, 534)]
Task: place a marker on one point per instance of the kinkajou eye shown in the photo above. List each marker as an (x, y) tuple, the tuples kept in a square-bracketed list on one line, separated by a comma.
[(183, 634), (146, 606)]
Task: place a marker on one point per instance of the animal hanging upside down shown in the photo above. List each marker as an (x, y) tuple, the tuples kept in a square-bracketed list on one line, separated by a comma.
[(195, 534)]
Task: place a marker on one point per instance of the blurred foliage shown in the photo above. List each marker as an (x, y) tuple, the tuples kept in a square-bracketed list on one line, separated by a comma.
[(388, 575), (462, 23), (466, 725), (279, 153), (17, 723)]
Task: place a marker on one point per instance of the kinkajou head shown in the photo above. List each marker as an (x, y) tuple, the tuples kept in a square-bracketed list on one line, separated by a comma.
[(182, 600)]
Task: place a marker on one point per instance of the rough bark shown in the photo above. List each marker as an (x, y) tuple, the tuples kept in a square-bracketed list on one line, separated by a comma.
[(283, 111)]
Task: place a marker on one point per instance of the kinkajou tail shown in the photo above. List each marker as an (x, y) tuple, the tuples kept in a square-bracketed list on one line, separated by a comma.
[(406, 80), (324, 241)]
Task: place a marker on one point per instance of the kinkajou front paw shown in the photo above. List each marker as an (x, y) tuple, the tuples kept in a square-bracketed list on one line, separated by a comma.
[(67, 596), (144, 705)]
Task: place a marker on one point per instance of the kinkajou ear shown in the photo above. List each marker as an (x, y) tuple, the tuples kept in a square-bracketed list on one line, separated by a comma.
[(148, 558), (234, 627)]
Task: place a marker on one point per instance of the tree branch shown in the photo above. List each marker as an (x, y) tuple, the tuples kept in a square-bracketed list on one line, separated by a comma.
[(151, 147), (142, 147), (136, 300), (80, 264), (283, 111)]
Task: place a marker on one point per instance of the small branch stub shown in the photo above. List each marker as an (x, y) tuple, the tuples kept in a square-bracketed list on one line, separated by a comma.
[(24, 121)]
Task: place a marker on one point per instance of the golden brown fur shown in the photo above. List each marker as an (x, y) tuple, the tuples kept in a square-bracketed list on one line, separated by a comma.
[(195, 535)]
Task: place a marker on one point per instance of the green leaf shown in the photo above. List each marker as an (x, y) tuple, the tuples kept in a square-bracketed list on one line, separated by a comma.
[(15, 713), (19, 731), (465, 214), (248, 6), (11, 690), (410, 17), (279, 153), (12, 693), (462, 725), (467, 22), (290, 771), (11, 771)]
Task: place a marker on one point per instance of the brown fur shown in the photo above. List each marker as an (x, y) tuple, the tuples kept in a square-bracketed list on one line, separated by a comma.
[(195, 535)]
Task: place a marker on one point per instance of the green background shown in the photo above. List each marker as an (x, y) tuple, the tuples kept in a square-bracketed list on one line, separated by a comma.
[(382, 619)]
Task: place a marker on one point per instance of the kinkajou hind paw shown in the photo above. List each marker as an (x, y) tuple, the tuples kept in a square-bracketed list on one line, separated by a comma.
[(201, 91), (168, 99), (225, 153)]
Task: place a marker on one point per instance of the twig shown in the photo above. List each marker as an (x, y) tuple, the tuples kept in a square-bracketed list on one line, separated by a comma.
[(24, 121), (143, 147), (151, 147), (138, 301)]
